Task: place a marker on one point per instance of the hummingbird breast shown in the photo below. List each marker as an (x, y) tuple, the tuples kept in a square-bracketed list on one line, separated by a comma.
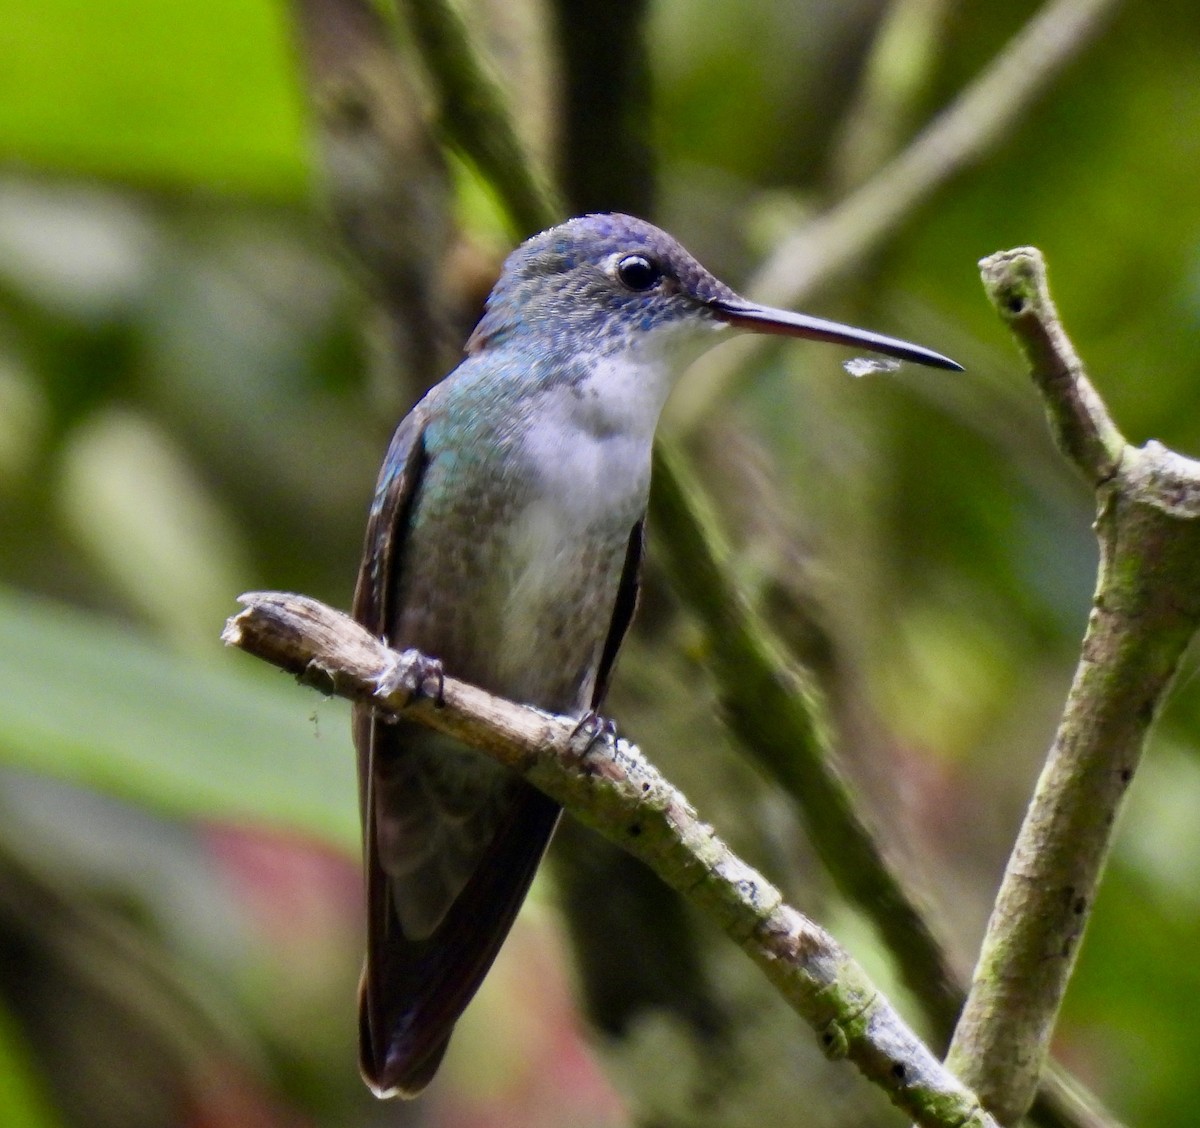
[(514, 558)]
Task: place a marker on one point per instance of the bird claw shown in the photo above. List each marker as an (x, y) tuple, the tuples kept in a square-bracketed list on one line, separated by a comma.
[(592, 730), (413, 672)]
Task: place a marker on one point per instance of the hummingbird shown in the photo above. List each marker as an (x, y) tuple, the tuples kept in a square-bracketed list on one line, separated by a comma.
[(504, 542)]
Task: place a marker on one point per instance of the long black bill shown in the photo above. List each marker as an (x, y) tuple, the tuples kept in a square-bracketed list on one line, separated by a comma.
[(763, 319)]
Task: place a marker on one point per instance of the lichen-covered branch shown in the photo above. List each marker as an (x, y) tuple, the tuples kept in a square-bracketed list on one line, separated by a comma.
[(1145, 612), (611, 788)]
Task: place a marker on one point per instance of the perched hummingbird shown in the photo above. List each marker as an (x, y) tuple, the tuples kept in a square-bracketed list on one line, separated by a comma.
[(504, 541)]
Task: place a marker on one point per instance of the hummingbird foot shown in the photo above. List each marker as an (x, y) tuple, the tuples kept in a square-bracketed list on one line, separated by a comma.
[(415, 673), (592, 730)]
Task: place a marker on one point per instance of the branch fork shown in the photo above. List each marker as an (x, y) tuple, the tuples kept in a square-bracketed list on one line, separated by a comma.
[(1146, 610)]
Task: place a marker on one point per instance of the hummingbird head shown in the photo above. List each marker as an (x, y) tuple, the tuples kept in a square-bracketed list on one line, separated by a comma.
[(601, 283)]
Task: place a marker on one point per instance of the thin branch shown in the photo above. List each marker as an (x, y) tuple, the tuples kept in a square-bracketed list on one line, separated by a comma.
[(827, 246), (473, 117), (610, 787), (1145, 612)]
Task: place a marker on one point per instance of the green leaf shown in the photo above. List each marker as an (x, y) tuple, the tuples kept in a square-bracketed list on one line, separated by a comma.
[(88, 700)]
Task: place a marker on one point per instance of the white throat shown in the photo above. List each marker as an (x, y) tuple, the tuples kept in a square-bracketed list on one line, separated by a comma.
[(624, 391)]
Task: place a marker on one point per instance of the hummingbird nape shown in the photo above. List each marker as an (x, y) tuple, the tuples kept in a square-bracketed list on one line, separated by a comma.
[(504, 541)]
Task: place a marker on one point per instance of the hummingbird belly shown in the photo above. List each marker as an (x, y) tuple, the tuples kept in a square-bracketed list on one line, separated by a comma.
[(559, 607)]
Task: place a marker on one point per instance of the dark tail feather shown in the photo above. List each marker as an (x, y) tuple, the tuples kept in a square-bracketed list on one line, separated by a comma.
[(412, 993)]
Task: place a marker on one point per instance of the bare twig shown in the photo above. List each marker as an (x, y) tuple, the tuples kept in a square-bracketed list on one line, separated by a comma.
[(1145, 612), (827, 246), (1016, 283), (610, 787)]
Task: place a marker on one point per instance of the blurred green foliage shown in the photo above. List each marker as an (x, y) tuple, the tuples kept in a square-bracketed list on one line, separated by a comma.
[(185, 414), (166, 96)]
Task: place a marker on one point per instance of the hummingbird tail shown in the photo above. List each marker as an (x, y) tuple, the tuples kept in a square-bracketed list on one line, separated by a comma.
[(413, 992)]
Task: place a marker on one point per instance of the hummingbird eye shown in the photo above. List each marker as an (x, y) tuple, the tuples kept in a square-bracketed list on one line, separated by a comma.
[(639, 273)]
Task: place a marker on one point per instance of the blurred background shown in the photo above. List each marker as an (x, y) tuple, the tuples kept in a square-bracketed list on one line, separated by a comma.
[(216, 301)]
